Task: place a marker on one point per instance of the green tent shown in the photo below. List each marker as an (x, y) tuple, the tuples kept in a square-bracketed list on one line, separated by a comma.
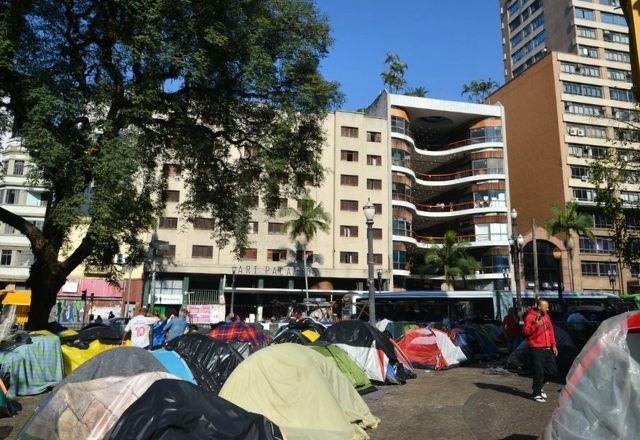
[(347, 366)]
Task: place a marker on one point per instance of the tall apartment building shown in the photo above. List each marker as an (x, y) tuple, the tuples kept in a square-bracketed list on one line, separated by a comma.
[(567, 103)]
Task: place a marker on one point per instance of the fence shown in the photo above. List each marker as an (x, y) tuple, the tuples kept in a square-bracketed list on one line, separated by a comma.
[(203, 296)]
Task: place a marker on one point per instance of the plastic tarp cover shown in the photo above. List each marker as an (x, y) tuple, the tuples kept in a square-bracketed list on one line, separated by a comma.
[(73, 357), (302, 392), (89, 409), (347, 366), (211, 361), (176, 410), (291, 335), (174, 364), (600, 400), (359, 334)]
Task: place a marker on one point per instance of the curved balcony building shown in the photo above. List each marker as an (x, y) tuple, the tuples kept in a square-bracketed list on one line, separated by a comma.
[(448, 173)]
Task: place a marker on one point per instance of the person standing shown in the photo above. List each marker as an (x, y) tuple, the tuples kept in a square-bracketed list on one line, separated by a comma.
[(139, 327), (512, 331), (177, 326), (538, 329)]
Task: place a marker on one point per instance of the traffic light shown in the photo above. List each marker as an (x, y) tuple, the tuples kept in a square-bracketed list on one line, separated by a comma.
[(84, 295), (631, 10)]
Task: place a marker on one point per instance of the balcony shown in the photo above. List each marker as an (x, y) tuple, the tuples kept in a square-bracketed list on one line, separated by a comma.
[(443, 210), (428, 242)]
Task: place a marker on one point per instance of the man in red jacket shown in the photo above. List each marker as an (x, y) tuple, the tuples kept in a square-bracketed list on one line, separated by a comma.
[(538, 329)]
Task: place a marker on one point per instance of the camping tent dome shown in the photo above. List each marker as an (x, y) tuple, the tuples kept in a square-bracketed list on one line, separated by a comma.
[(431, 348), (302, 392)]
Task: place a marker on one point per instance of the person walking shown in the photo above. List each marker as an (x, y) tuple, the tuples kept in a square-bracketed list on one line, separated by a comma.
[(177, 326), (538, 329), (140, 329), (512, 330)]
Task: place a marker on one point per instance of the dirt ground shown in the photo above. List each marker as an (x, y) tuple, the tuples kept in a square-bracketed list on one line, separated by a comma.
[(461, 403)]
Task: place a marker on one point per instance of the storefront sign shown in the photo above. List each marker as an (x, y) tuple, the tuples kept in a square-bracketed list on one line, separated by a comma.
[(285, 271)]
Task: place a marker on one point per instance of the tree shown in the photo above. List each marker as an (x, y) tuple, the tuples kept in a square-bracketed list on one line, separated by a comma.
[(450, 259), (419, 91), (303, 226), (479, 90), (568, 220), (102, 94), (393, 77)]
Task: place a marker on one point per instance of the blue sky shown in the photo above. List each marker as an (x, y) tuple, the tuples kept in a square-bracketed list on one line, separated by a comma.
[(445, 43)]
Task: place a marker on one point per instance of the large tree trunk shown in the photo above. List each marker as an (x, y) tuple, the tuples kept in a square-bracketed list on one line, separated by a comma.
[(45, 281)]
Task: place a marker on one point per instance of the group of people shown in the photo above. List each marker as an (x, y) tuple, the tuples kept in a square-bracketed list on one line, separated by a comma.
[(140, 326), (541, 339)]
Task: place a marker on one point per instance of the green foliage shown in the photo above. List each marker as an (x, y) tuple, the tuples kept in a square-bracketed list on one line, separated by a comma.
[(568, 219), (103, 93), (393, 77), (450, 259), (479, 90), (419, 91), (306, 221)]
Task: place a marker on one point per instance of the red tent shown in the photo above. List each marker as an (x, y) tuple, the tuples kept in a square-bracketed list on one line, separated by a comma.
[(430, 348)]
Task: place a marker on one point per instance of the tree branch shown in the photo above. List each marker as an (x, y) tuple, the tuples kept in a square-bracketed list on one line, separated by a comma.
[(36, 238)]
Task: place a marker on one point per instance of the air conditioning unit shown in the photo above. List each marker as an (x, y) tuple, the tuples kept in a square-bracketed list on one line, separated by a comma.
[(580, 132), (578, 153), (573, 131)]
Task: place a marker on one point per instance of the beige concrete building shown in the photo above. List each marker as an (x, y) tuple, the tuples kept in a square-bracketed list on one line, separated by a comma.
[(567, 106)]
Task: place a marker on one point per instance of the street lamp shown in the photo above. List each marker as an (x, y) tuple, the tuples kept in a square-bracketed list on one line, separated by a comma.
[(233, 288), (155, 245), (612, 274), (380, 280), (557, 254), (369, 212), (516, 242)]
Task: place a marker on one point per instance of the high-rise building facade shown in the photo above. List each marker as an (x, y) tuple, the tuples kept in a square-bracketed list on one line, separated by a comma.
[(568, 103)]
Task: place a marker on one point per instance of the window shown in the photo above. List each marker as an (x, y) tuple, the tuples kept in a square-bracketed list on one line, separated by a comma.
[(5, 257), (617, 56), (374, 160), (374, 184), (586, 32), (198, 251), (594, 131), (399, 125), (583, 109), (585, 14), (169, 251), (203, 223), (5, 166), (623, 114), (275, 228), (378, 208), (514, 7), (402, 226), (614, 3), (253, 228), (399, 260), (621, 95), (276, 254), (172, 170), (348, 205), (616, 19), (581, 69), (9, 230), (589, 268), (374, 136), (615, 37), (249, 254), (598, 268), (11, 196), (348, 180), (168, 223), (619, 75), (299, 256), (348, 231), (350, 132), (348, 155), (630, 198), (377, 233), (349, 257), (377, 259), (601, 245), (584, 195), (588, 151), (588, 51), (579, 172), (601, 221), (18, 167), (173, 196), (582, 89)]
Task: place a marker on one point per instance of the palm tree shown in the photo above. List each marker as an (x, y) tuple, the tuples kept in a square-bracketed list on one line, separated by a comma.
[(393, 77), (419, 91), (451, 259), (479, 90), (304, 224), (569, 220)]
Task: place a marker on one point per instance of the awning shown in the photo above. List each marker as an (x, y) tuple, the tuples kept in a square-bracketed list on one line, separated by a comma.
[(17, 298)]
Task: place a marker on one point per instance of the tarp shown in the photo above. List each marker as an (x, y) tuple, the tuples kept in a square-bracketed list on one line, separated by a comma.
[(520, 359), (431, 348), (93, 332), (87, 410), (600, 400), (174, 364), (211, 361), (291, 335), (73, 357), (347, 366), (178, 410), (32, 367), (239, 331), (302, 392)]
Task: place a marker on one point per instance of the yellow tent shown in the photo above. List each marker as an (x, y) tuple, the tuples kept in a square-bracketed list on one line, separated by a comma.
[(302, 392), (73, 357)]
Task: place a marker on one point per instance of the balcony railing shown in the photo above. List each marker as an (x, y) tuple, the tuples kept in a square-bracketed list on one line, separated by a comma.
[(449, 207), (460, 143), (475, 238), (459, 174)]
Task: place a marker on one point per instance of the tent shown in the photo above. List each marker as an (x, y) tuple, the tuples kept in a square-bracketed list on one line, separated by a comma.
[(75, 355), (431, 348), (369, 348), (239, 331), (349, 368), (293, 335), (520, 359), (176, 410), (308, 324), (211, 361), (302, 392), (87, 409), (600, 400), (174, 364)]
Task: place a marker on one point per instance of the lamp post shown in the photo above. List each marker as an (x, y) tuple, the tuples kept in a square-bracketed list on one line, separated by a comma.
[(233, 289), (557, 254), (516, 241), (612, 274), (379, 280), (369, 212), (155, 245)]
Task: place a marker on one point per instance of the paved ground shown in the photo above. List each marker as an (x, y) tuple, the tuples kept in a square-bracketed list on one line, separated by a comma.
[(461, 403)]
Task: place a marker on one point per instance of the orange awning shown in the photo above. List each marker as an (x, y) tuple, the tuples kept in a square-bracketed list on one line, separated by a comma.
[(17, 298)]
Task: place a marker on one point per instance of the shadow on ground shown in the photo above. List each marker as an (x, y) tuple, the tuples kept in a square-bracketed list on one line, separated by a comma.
[(503, 389)]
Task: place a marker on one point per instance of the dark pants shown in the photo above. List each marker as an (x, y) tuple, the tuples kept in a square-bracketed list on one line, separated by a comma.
[(544, 367)]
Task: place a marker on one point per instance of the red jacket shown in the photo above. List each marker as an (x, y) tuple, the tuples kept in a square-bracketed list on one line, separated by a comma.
[(540, 333)]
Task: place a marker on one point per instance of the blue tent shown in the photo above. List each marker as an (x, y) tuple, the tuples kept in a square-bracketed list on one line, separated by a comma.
[(174, 364)]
